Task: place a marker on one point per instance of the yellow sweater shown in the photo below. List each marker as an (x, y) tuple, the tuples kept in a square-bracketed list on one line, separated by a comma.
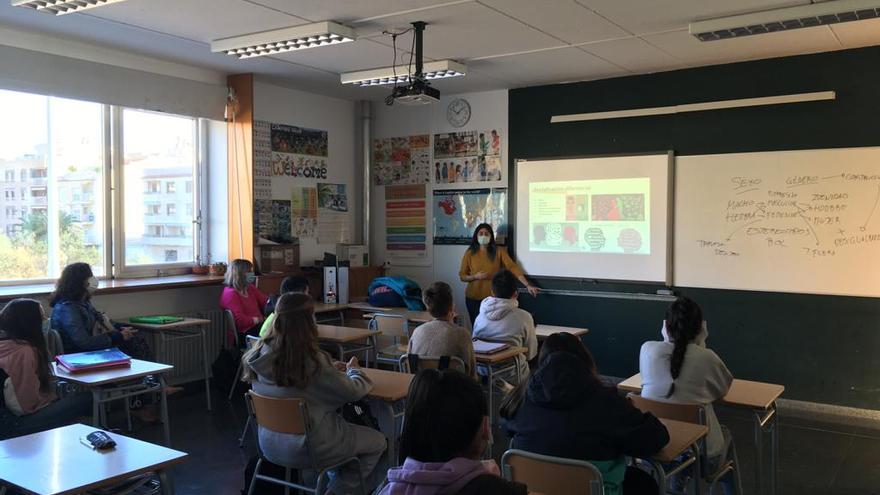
[(473, 263)]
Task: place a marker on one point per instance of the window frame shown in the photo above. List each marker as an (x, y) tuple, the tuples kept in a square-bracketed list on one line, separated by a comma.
[(120, 268)]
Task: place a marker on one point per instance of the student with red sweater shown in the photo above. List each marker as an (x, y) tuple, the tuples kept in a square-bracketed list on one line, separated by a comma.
[(242, 298)]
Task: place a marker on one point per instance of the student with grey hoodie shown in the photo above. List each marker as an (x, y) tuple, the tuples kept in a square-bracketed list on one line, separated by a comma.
[(501, 320), (287, 362)]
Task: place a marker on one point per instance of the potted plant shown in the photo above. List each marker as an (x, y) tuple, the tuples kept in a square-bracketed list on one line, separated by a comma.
[(218, 269)]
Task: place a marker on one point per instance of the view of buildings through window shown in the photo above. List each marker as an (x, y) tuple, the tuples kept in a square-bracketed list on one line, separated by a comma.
[(52, 206)]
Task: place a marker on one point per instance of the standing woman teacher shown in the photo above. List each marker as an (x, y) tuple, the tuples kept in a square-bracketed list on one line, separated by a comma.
[(482, 260)]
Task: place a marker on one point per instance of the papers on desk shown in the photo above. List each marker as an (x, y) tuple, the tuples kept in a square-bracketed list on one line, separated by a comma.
[(90, 360), (483, 347)]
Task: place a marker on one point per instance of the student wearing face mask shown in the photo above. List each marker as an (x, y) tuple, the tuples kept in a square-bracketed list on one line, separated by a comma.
[(242, 298), (482, 260)]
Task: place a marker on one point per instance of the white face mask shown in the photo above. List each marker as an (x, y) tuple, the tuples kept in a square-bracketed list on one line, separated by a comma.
[(483, 240), (92, 284), (250, 277)]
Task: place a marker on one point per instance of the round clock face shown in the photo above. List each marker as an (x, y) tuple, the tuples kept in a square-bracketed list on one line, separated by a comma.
[(458, 113)]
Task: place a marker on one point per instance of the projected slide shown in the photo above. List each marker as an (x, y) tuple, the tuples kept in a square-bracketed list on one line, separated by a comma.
[(591, 216)]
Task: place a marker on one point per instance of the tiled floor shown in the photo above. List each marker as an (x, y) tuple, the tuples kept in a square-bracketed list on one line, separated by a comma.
[(814, 458)]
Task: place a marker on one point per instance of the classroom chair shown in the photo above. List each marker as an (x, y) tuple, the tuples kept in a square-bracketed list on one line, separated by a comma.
[(231, 331), (413, 363), (688, 413), (249, 342), (396, 327), (550, 475), (289, 416)]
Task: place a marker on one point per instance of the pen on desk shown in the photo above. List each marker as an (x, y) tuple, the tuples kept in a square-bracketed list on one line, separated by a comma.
[(86, 442)]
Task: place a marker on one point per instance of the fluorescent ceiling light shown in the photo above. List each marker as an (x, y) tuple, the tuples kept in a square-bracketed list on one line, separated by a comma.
[(401, 73), (768, 21), (59, 7), (284, 40)]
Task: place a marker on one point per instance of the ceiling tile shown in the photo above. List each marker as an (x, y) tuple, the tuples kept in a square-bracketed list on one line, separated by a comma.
[(550, 66), (564, 19), (856, 34), (202, 20), (693, 52), (466, 31), (634, 54), (345, 10), (346, 57), (663, 15)]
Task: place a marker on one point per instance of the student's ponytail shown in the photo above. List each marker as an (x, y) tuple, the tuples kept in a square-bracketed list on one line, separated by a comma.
[(684, 319)]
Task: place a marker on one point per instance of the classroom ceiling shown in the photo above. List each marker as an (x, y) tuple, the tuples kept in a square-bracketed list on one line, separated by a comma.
[(505, 43)]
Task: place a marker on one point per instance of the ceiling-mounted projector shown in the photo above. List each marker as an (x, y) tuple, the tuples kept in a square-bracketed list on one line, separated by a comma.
[(417, 93)]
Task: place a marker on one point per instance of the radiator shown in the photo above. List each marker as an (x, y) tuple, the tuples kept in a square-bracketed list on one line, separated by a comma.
[(186, 355)]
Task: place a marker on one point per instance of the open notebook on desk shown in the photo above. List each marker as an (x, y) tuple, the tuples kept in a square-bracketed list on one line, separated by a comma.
[(483, 347)]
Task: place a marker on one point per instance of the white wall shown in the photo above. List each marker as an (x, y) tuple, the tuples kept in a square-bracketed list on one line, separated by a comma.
[(488, 111), (280, 105)]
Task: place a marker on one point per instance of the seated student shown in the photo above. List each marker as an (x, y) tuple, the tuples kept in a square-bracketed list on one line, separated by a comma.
[(290, 285), (564, 410), (681, 369), (288, 363), (501, 320), (29, 392), (242, 298), (81, 326), (445, 432), (441, 337)]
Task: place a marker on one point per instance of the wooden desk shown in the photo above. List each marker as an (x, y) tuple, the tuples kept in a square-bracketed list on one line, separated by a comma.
[(500, 356), (344, 338), (543, 331), (186, 329), (413, 316), (683, 437), (495, 363), (112, 384), (54, 462), (389, 393), (760, 398)]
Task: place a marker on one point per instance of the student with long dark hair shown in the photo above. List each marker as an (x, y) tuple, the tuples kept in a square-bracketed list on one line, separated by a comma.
[(681, 369), (287, 362), (481, 261), (445, 432), (564, 410), (29, 391)]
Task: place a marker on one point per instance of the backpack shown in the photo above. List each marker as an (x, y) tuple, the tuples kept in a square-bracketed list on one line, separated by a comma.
[(406, 289)]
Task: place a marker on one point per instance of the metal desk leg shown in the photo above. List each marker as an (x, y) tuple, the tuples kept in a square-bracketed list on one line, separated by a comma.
[(341, 352), (165, 480), (388, 425), (767, 420), (206, 366), (774, 454), (96, 407), (165, 423)]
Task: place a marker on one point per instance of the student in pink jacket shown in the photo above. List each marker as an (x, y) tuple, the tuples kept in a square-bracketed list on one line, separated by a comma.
[(243, 299), (27, 384)]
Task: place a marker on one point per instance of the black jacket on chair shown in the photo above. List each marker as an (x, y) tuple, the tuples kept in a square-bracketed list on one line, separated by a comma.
[(567, 413)]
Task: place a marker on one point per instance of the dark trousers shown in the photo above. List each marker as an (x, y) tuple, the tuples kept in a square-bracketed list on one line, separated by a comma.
[(473, 309)]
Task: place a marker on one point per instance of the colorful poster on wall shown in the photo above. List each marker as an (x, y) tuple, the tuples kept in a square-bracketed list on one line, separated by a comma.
[(458, 212), (298, 152), (333, 225), (262, 160), (272, 220), (402, 160), (468, 156), (406, 230), (304, 211)]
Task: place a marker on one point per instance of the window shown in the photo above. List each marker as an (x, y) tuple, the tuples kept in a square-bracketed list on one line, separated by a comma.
[(170, 255), (189, 209), (159, 150), (154, 209), (72, 133), (189, 186)]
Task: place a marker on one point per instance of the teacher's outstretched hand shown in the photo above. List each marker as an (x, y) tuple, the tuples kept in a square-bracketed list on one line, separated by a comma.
[(481, 261)]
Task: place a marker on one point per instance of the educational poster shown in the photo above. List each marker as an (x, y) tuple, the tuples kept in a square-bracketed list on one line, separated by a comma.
[(262, 160), (597, 216), (298, 152), (304, 211), (262, 218), (402, 160), (458, 212), (468, 156), (333, 214), (405, 224), (272, 220)]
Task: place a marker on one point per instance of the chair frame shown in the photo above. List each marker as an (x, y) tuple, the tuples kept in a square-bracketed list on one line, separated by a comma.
[(321, 481), (594, 487), (407, 333), (404, 363)]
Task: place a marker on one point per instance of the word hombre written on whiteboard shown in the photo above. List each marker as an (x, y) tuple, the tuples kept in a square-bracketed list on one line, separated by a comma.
[(814, 216)]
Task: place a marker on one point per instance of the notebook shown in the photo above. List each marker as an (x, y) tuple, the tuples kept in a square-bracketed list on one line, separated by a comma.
[(155, 320), (90, 360), (483, 347)]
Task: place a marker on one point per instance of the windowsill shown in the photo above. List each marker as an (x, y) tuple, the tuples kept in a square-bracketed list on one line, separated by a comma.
[(116, 286)]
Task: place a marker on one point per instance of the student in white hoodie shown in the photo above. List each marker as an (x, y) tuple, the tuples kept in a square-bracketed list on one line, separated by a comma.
[(501, 320), (680, 369)]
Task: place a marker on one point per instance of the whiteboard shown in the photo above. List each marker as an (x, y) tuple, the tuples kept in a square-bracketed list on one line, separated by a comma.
[(787, 221)]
